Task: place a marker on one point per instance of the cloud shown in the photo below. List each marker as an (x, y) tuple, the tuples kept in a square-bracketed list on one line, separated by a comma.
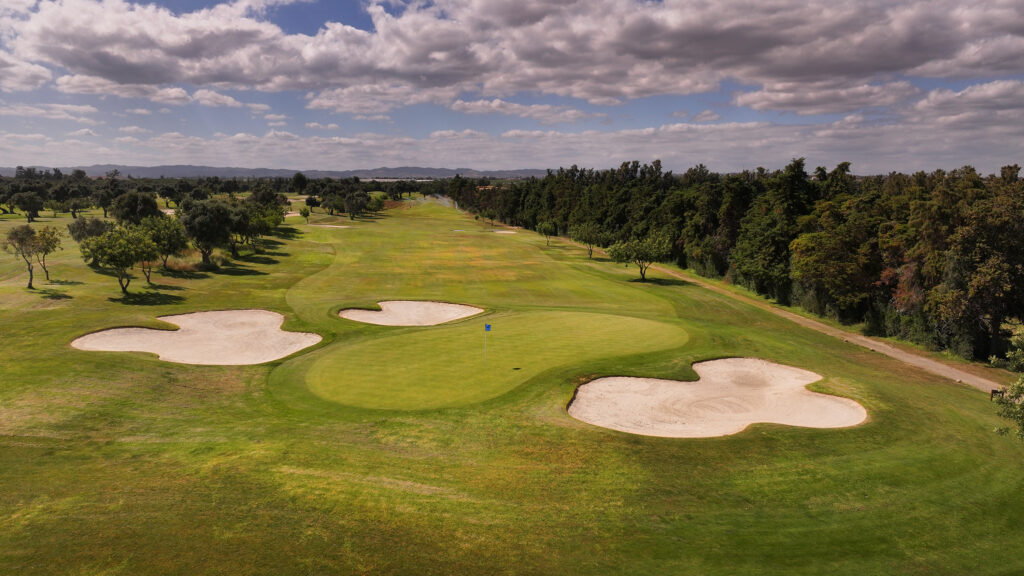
[(19, 76), (826, 97), (133, 130), (706, 116), (214, 99), (814, 56), (319, 126), (81, 133), (545, 113), (139, 111), (74, 113)]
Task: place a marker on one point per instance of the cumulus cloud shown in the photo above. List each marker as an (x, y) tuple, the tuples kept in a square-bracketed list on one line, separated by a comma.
[(74, 113), (859, 60), (707, 116), (214, 99), (601, 51), (826, 97), (545, 113), (18, 75), (133, 130), (82, 133), (139, 111), (319, 126)]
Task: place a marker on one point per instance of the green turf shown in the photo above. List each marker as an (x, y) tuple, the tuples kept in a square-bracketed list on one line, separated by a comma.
[(118, 463), (449, 366)]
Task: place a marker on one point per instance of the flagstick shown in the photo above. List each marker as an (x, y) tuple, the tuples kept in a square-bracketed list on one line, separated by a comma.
[(485, 346)]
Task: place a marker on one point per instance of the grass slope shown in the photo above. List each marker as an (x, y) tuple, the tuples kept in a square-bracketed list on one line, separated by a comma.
[(121, 464)]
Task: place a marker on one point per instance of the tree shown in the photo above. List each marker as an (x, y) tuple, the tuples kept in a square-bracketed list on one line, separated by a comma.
[(304, 212), (589, 234), (355, 203), (83, 228), (134, 206), (168, 234), (375, 204), (119, 250), (548, 229), (28, 202), (643, 252), (1011, 405), (48, 241), (299, 182), (208, 224), (22, 241)]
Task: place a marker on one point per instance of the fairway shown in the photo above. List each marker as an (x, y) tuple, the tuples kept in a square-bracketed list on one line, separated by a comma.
[(399, 450), (446, 366)]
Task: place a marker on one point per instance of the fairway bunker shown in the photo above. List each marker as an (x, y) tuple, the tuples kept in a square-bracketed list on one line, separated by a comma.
[(224, 338), (328, 226), (504, 231), (730, 395), (411, 313)]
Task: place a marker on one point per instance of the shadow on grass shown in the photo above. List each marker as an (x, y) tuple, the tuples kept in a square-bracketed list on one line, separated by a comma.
[(286, 232), (257, 259), (154, 286), (663, 282), (65, 282), (147, 299), (234, 269), (51, 294), (186, 274)]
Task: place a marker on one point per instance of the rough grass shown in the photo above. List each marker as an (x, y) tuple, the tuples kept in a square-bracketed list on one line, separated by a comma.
[(121, 464)]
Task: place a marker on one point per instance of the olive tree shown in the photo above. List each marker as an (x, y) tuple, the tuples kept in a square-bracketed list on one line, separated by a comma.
[(589, 234), (548, 229), (642, 252), (22, 241), (168, 234), (121, 249), (48, 240)]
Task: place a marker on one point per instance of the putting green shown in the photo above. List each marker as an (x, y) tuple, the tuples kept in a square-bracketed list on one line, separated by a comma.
[(426, 368)]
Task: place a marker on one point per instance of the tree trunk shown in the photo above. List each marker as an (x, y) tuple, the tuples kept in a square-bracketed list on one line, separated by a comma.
[(30, 287), (123, 280)]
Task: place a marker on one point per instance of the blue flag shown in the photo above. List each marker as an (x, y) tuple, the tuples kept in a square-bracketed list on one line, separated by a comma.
[(487, 327)]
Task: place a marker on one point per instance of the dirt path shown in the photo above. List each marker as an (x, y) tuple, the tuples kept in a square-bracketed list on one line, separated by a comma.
[(926, 364)]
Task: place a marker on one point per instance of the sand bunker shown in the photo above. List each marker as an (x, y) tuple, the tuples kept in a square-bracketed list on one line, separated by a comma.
[(504, 231), (329, 226), (411, 313), (731, 394), (228, 337)]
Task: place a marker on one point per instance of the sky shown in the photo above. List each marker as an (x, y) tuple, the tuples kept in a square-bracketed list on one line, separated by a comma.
[(893, 85)]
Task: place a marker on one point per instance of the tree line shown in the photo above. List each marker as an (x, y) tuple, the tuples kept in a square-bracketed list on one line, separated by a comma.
[(936, 258)]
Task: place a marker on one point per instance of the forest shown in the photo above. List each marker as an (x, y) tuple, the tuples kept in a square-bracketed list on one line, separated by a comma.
[(934, 258)]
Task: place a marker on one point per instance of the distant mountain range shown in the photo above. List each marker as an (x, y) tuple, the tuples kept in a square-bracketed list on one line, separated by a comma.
[(183, 171)]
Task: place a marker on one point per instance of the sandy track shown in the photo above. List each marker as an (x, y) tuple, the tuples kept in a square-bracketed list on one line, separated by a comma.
[(226, 338), (411, 313), (731, 394)]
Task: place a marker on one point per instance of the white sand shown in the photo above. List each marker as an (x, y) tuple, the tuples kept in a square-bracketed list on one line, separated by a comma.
[(730, 395), (228, 337), (504, 231), (329, 226), (411, 313)]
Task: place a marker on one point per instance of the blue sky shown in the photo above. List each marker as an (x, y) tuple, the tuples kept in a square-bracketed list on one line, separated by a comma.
[(490, 84)]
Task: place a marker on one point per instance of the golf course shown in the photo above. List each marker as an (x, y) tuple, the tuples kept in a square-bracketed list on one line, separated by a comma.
[(449, 448)]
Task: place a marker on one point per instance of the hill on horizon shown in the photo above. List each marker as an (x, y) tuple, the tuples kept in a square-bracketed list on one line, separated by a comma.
[(189, 171)]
